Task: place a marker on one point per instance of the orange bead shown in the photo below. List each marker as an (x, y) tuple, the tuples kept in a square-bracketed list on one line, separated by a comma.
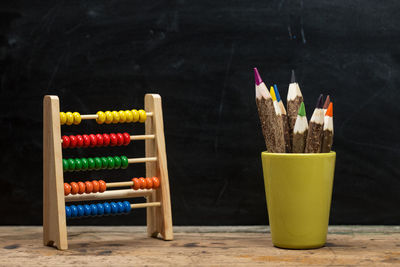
[(156, 182), (136, 183), (149, 183), (74, 188), (102, 186), (96, 186), (89, 187), (67, 189), (82, 187), (142, 183)]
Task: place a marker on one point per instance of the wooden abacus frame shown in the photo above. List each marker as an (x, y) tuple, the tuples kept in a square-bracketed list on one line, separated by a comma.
[(158, 205)]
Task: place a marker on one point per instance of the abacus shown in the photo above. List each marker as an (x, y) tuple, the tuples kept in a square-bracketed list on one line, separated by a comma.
[(155, 188)]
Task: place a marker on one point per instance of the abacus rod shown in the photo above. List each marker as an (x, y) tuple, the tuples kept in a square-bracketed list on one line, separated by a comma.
[(112, 194), (138, 137), (145, 205), (119, 184), (94, 116), (139, 160)]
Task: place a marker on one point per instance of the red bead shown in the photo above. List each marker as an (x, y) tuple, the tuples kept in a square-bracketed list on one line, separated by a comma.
[(99, 138), (142, 183), (96, 186), (66, 141), (102, 186), (149, 183), (136, 183), (80, 140), (120, 139), (74, 188), (106, 139), (82, 187), (89, 187), (156, 182), (93, 140), (86, 140), (113, 139), (127, 139), (72, 141), (67, 189)]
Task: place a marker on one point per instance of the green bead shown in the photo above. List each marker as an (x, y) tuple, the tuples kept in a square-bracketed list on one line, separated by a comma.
[(117, 161), (85, 164), (104, 163), (78, 164), (111, 163), (71, 165), (65, 164), (91, 163), (97, 162), (124, 162)]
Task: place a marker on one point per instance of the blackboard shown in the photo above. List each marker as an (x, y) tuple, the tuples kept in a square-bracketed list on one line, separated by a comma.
[(199, 55)]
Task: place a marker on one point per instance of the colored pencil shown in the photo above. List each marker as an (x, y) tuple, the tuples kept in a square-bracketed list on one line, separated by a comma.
[(315, 128), (326, 104), (286, 135), (294, 99), (279, 130), (300, 130), (327, 139)]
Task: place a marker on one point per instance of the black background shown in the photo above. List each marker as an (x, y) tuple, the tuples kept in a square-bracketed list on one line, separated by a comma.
[(199, 55)]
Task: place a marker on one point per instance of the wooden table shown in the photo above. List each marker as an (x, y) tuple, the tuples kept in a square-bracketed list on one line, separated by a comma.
[(208, 246)]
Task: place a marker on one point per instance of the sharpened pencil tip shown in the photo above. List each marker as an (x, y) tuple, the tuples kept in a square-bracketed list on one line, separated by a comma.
[(320, 104), (293, 79), (302, 110), (327, 101), (272, 92), (329, 112), (257, 77), (278, 97)]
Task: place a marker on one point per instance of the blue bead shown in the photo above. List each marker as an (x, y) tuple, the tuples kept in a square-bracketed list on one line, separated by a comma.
[(127, 206), (93, 207), (81, 211), (107, 208), (87, 209), (114, 208), (121, 207), (68, 211), (100, 209), (74, 211)]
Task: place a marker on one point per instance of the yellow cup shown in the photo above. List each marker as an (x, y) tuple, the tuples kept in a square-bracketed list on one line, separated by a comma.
[(298, 188)]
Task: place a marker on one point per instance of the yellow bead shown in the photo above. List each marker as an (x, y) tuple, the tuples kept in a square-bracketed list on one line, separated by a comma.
[(122, 116), (101, 117), (115, 115), (77, 117), (142, 115), (70, 118), (135, 115), (109, 117), (128, 115), (63, 118)]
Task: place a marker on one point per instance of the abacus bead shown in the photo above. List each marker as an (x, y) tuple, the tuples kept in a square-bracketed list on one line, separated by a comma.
[(89, 187), (128, 115), (85, 164), (102, 186), (121, 207), (70, 118), (81, 210), (72, 141), (109, 117), (87, 209), (135, 115), (99, 138), (96, 186), (67, 189), (82, 188), (67, 211), (104, 162), (113, 139), (107, 208), (74, 188), (124, 162), (74, 211), (114, 208), (156, 182), (136, 184), (65, 164), (63, 118), (120, 139), (97, 162), (122, 116), (77, 118), (127, 138), (111, 163), (117, 162), (142, 115), (100, 209), (93, 140), (79, 139), (86, 140), (78, 164), (143, 183), (93, 209), (91, 163), (127, 206), (106, 139), (115, 116), (101, 117), (71, 164), (66, 141), (149, 183)]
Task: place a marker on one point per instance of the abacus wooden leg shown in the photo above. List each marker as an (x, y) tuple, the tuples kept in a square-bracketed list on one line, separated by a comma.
[(159, 219), (54, 221)]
